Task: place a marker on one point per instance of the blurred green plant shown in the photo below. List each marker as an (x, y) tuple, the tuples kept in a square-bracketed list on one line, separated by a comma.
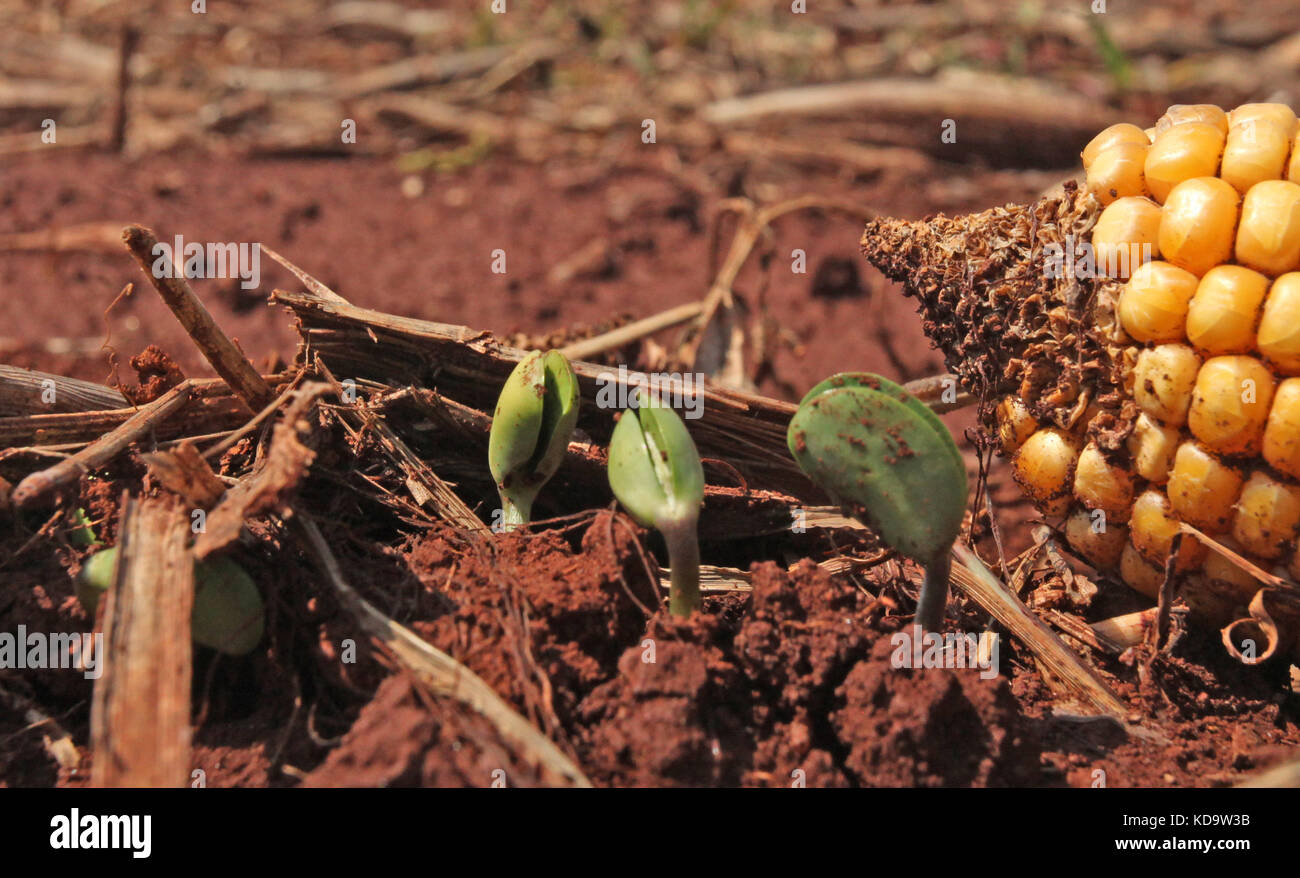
[(534, 420), (883, 455), (1117, 63), (228, 613), (445, 161), (655, 472), (82, 534)]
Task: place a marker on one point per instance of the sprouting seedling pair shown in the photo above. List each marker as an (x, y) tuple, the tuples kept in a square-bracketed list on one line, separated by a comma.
[(654, 469), (884, 455), (228, 613), (534, 420)]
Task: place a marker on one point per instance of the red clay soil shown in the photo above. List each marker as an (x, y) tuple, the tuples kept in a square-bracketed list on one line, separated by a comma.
[(790, 684)]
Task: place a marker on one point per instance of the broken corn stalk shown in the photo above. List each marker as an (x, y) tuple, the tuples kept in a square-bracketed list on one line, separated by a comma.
[(1135, 345)]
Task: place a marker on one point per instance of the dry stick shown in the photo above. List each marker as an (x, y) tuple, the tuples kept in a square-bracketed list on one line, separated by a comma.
[(441, 116), (1018, 102), (440, 495), (753, 222), (257, 419), (617, 338), (140, 710), (41, 486), (972, 577), (95, 237), (80, 137), (417, 70), (439, 671), (24, 392), (1130, 629), (750, 428), (222, 412), (841, 153), (935, 390), (130, 37), (432, 489), (219, 350), (511, 66)]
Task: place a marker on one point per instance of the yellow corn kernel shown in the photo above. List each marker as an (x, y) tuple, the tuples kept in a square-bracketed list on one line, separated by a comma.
[(1267, 516), (1220, 570), (1125, 236), (1197, 224), (1123, 132), (1256, 150), (1179, 114), (1180, 153), (1015, 424), (1152, 528), (1140, 574), (1096, 539), (1230, 404), (1279, 114), (1221, 316), (1268, 238), (1282, 432), (1117, 172), (1152, 446), (1293, 166), (1163, 380), (1278, 336), (1153, 304), (1044, 469), (1098, 484), (1202, 489)]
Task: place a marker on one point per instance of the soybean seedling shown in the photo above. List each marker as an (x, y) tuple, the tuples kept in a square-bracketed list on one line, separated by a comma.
[(882, 454), (655, 472), (228, 614), (534, 420)]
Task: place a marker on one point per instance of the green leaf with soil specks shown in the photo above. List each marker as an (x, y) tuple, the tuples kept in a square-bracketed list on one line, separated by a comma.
[(881, 451), (884, 385)]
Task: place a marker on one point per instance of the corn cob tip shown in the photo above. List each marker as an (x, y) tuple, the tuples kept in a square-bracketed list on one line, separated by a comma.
[(1134, 343), (1000, 295)]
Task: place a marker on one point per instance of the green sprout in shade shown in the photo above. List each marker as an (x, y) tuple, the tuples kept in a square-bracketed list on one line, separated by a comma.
[(228, 613), (882, 454), (655, 472), (534, 420), (82, 534)]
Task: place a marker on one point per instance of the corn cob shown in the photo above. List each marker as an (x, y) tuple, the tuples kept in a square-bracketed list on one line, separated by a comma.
[(1135, 344)]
